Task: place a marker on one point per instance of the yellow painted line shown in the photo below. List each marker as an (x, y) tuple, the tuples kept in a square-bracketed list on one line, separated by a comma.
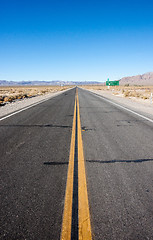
[(84, 230), (67, 215), (84, 215)]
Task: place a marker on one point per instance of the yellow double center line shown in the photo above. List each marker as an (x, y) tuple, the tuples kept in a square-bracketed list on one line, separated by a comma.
[(76, 217)]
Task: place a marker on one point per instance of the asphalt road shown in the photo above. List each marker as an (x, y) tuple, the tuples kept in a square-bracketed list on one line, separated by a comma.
[(34, 153), (118, 148)]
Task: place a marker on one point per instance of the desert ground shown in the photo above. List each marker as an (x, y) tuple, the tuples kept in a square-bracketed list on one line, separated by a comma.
[(137, 93), (11, 94)]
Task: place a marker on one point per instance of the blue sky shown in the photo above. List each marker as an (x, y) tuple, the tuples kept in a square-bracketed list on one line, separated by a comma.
[(75, 40)]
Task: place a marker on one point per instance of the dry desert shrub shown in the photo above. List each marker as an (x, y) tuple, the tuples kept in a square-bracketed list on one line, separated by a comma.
[(137, 94)]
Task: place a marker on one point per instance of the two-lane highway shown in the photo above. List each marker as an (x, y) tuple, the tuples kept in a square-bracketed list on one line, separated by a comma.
[(36, 146)]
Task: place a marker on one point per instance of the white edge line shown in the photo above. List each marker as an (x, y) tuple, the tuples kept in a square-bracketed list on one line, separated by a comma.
[(34, 104), (127, 109)]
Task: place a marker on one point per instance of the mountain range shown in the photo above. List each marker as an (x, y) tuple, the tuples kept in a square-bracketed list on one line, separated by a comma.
[(144, 79), (44, 83)]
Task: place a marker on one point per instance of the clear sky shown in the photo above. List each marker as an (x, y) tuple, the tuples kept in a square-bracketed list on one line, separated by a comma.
[(75, 40)]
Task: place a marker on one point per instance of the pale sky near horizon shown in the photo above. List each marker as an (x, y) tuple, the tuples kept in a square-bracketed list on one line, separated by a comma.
[(75, 40)]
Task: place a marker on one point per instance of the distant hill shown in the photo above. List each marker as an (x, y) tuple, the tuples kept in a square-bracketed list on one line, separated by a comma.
[(44, 83), (145, 79)]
